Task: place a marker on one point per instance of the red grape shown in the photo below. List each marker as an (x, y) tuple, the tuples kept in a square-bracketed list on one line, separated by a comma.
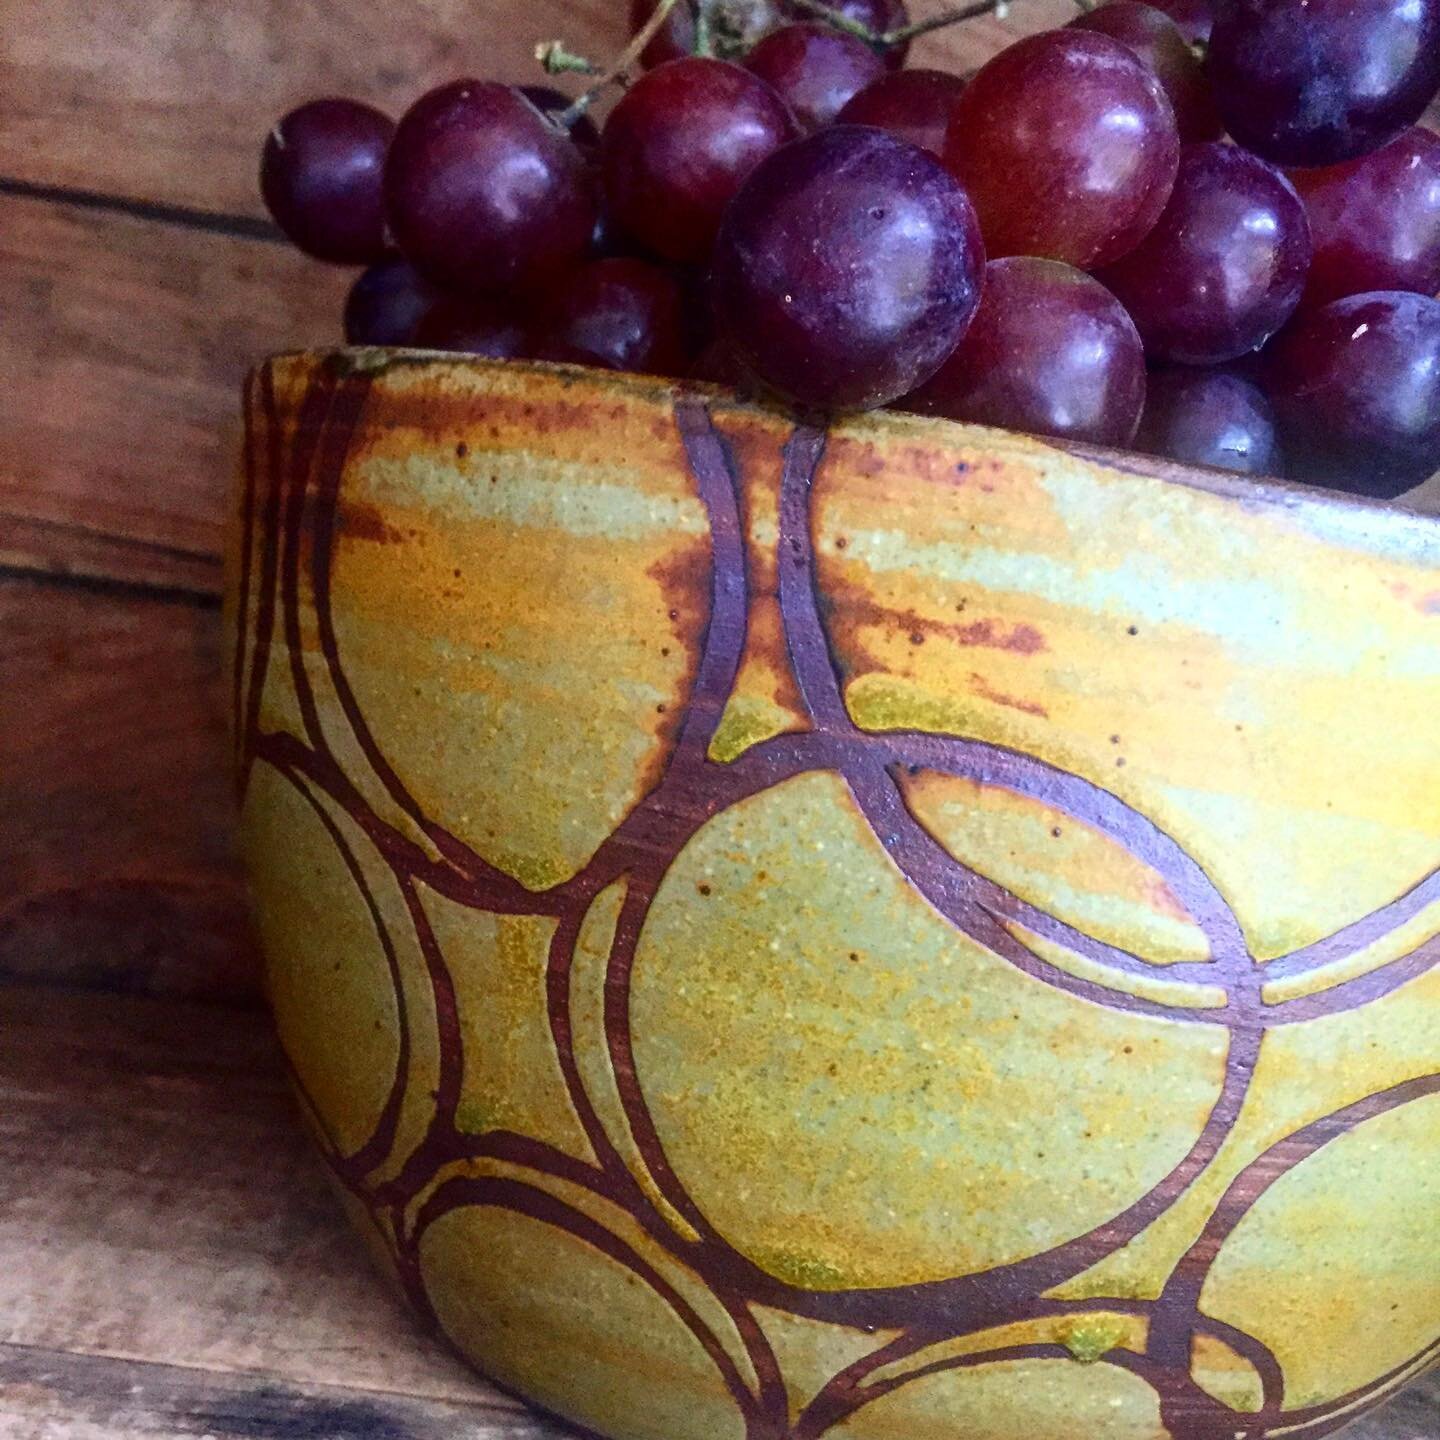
[(1314, 82), (1356, 385), (619, 314), (474, 325), (386, 303), (815, 70), (483, 193), (678, 145), (1195, 18), (321, 176), (1375, 221), (847, 269), (1224, 268), (553, 104), (674, 39), (880, 17), (1156, 39), (916, 105), (1050, 351), (1210, 417), (1067, 145)]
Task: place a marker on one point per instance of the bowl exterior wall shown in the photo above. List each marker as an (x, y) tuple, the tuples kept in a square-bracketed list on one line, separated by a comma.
[(891, 931)]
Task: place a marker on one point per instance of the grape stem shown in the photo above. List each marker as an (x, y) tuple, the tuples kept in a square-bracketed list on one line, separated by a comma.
[(704, 30), (557, 60), (889, 39), (618, 72)]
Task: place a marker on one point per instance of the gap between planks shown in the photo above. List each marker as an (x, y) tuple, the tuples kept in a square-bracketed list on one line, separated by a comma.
[(58, 1395)]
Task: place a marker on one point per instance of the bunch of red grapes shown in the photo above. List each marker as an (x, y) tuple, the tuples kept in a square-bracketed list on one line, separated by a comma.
[(1209, 229)]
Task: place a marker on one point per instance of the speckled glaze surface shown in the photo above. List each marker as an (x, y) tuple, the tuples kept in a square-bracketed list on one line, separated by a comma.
[(891, 934)]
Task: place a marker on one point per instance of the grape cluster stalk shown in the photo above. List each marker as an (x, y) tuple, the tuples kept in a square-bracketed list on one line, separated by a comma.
[(1206, 228)]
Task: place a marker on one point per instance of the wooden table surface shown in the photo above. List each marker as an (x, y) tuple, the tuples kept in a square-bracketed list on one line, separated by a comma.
[(170, 1261)]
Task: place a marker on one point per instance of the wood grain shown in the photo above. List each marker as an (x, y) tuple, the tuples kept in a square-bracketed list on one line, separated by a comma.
[(160, 78), (116, 859), (161, 1206), (50, 1395), (123, 349)]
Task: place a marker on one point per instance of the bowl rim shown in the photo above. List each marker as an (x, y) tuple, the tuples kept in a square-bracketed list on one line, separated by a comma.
[(1266, 491)]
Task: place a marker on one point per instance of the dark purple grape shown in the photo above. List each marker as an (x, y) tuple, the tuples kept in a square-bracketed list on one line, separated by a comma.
[(1225, 267), (553, 104), (1375, 221), (1067, 145), (1156, 39), (1356, 385), (847, 269), (386, 303), (880, 17), (321, 175), (473, 325), (1050, 351), (1196, 18), (717, 365), (915, 105), (698, 324), (678, 145), (1210, 417), (608, 240), (1315, 82), (815, 70), (483, 194), (619, 314)]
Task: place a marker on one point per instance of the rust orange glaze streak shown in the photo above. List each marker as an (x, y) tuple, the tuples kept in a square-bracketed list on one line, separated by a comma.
[(691, 791)]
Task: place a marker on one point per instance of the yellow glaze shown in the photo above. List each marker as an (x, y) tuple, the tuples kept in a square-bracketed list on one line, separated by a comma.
[(900, 933)]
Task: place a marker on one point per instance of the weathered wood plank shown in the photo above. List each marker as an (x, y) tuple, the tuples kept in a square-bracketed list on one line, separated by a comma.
[(161, 79), (69, 548), (53, 1395), (123, 349), (161, 1205), (116, 854)]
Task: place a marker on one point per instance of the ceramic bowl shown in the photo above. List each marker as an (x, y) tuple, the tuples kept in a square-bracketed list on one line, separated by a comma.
[(895, 931)]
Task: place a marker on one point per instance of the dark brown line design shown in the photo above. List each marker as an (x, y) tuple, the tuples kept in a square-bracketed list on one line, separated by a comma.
[(540, 1205), (299, 503), (1317, 1420), (455, 852), (311, 439), (1181, 1296), (1277, 1162), (1354, 938), (1362, 990), (382, 1140), (269, 561)]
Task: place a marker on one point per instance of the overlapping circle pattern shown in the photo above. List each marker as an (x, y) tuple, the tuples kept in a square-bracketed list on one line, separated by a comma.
[(422, 1175)]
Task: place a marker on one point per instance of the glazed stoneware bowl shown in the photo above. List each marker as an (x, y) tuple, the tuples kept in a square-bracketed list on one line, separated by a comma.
[(895, 933)]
